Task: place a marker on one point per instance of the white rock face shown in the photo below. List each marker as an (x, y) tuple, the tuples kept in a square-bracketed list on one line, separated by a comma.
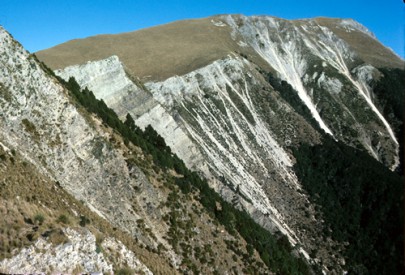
[(38, 119), (126, 257), (79, 254), (109, 81), (330, 84), (282, 53), (225, 138), (212, 119), (107, 77), (175, 136), (293, 49)]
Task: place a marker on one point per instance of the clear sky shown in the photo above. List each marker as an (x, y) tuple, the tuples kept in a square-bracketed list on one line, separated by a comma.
[(40, 24)]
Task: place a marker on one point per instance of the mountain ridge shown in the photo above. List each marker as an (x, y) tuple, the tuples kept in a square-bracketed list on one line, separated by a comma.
[(240, 120), (178, 48)]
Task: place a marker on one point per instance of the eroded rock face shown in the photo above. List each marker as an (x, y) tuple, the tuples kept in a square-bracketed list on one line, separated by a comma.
[(79, 254), (108, 79), (38, 119), (318, 64), (242, 127), (74, 150), (110, 82), (315, 56), (216, 121)]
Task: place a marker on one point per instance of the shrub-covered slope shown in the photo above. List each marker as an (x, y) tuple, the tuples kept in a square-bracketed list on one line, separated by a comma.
[(361, 202)]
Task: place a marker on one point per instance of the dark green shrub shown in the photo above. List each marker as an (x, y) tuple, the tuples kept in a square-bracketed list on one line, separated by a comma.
[(125, 271), (63, 219), (83, 221), (361, 201), (39, 218)]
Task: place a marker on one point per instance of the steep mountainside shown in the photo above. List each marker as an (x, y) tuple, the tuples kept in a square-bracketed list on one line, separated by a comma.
[(44, 229), (319, 58), (238, 120), (294, 122), (77, 195)]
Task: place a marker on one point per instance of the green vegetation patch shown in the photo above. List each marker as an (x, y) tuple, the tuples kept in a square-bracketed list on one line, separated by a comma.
[(30, 128), (361, 201), (390, 94), (5, 93)]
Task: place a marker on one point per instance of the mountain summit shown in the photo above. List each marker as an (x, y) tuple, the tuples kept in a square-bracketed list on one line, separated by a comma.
[(181, 47), (295, 124)]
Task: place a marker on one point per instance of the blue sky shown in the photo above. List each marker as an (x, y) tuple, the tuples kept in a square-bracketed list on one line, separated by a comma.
[(40, 24)]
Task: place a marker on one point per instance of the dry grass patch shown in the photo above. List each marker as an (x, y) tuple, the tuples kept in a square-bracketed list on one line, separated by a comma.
[(152, 54), (33, 206)]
